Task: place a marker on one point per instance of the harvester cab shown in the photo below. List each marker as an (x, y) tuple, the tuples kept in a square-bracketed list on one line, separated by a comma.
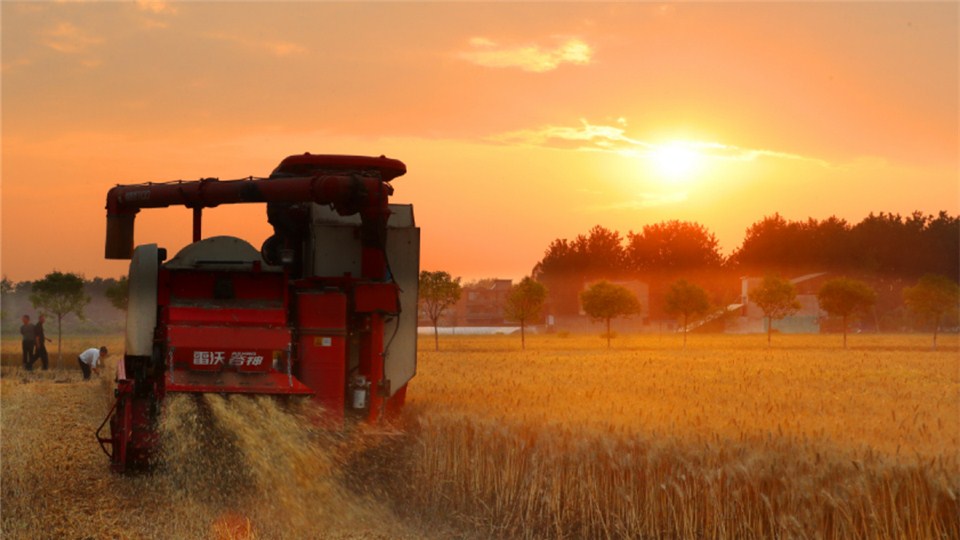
[(326, 307)]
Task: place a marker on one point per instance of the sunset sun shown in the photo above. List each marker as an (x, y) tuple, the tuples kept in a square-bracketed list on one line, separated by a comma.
[(674, 161)]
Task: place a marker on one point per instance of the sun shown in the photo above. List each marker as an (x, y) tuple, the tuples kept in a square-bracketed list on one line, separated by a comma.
[(674, 161)]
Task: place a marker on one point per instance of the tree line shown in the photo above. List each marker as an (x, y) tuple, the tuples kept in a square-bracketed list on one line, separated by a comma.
[(888, 249), (933, 300), (889, 244), (912, 264)]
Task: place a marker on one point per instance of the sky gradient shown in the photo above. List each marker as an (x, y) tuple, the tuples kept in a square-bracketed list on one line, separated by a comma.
[(519, 123)]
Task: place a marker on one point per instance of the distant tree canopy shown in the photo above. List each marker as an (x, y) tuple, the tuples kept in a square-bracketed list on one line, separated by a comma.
[(672, 246), (845, 297), (604, 301), (933, 299), (6, 287), (887, 247), (525, 304), (119, 293), (438, 291), (664, 248), (777, 297), (567, 265), (885, 244)]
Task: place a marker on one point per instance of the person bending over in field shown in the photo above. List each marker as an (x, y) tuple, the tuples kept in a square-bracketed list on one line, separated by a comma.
[(90, 360)]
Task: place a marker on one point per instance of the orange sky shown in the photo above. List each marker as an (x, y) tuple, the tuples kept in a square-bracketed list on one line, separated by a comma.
[(519, 123)]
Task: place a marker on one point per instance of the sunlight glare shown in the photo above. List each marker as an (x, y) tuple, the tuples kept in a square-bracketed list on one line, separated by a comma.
[(674, 161)]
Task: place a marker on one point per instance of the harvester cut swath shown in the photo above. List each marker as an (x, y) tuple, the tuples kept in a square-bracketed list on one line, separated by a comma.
[(326, 307)]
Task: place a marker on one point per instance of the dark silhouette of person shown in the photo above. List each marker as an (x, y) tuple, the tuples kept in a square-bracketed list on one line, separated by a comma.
[(40, 349), (29, 341)]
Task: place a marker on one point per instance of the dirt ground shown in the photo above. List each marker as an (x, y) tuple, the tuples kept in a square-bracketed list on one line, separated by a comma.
[(56, 482)]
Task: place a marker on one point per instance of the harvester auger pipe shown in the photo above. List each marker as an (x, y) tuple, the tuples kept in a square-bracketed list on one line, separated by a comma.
[(349, 194)]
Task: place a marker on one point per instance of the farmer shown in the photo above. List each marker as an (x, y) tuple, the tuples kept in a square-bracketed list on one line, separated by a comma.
[(90, 360), (29, 340), (40, 350)]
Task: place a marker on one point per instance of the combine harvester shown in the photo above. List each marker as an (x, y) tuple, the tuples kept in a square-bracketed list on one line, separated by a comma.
[(326, 308)]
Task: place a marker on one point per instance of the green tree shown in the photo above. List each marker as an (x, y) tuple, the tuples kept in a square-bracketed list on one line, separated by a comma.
[(119, 293), (60, 294), (933, 297), (604, 301), (777, 297), (686, 300), (438, 291), (525, 304), (845, 297), (6, 287)]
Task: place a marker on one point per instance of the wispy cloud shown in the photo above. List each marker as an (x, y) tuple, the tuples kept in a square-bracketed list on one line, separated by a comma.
[(276, 48), (527, 57), (586, 136), (610, 138), (69, 39), (12, 65), (157, 6)]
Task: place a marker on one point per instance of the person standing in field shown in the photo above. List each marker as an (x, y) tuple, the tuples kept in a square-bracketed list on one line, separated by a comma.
[(29, 340), (90, 360), (40, 350)]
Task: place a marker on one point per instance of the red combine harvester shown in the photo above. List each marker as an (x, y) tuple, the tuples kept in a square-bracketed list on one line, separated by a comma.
[(326, 308)]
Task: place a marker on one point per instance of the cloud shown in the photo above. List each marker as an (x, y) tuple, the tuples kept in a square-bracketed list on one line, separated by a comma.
[(586, 136), (68, 39), (276, 48), (600, 138), (157, 7), (12, 65), (534, 58)]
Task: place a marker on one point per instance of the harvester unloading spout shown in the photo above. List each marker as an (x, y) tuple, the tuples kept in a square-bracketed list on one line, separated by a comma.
[(304, 315)]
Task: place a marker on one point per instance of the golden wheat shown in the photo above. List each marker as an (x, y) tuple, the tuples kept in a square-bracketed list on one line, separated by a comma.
[(727, 439)]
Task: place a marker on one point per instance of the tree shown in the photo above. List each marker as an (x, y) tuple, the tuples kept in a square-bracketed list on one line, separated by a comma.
[(6, 287), (119, 293), (673, 246), (438, 291), (686, 300), (845, 297), (567, 265), (524, 303), (60, 294), (604, 301), (931, 298), (777, 297)]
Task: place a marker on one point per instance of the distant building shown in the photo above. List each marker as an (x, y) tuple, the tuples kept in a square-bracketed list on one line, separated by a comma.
[(749, 317), (482, 303)]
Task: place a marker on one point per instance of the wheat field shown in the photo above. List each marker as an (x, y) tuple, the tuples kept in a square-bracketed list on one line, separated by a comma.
[(728, 438)]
